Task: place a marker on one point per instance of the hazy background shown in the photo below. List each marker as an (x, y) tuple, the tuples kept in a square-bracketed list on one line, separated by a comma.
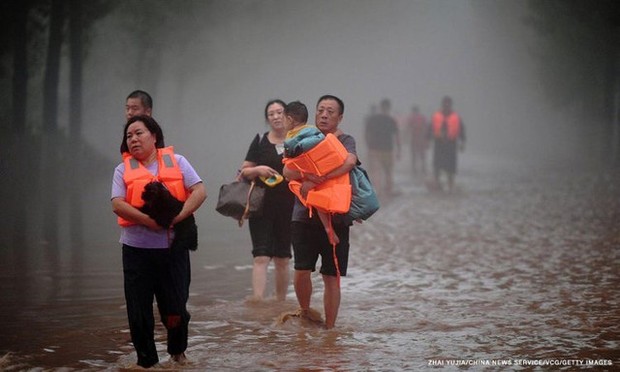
[(213, 69), (536, 82), (533, 83)]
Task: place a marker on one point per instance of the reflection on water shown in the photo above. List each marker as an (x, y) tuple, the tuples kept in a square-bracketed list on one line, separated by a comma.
[(515, 265)]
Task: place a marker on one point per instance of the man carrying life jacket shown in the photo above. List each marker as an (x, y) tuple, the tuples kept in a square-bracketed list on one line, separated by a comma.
[(448, 134), (310, 240), (309, 151)]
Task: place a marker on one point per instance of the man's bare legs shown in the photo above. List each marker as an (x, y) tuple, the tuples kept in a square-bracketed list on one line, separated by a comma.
[(331, 296), (331, 299), (303, 288)]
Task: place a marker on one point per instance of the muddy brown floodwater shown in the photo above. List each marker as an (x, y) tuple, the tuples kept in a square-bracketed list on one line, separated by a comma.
[(519, 267)]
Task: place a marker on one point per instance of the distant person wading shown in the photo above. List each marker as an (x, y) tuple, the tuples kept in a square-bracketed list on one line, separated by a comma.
[(418, 127), (448, 134), (382, 139)]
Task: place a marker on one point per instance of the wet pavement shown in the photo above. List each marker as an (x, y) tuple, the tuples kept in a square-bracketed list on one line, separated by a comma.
[(519, 267)]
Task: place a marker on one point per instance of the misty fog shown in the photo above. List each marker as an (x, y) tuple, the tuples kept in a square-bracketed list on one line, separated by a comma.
[(219, 62), (214, 78)]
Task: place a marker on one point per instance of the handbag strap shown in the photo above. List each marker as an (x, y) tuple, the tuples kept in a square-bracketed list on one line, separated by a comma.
[(246, 212)]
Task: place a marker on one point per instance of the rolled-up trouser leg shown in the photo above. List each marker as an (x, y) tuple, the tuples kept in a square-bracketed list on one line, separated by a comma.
[(172, 295)]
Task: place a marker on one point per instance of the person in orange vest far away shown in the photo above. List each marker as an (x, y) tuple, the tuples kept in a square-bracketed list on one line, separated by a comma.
[(448, 134), (310, 239), (153, 265)]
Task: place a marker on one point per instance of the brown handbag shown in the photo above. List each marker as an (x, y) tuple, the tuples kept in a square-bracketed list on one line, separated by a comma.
[(240, 200)]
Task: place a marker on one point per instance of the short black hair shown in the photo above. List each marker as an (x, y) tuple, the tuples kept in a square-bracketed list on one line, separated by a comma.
[(152, 127), (145, 98), (329, 96), (297, 111)]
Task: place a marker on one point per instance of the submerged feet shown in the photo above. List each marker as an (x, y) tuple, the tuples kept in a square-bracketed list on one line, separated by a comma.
[(179, 359), (307, 316), (253, 299)]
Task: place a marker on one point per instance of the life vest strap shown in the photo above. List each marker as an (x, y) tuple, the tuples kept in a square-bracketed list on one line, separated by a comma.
[(330, 232), (133, 163), (167, 161)]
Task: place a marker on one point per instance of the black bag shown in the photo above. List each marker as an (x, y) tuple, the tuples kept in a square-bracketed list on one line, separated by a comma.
[(240, 200)]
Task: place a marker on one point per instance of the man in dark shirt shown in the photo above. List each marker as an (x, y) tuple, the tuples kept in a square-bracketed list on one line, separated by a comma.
[(381, 138)]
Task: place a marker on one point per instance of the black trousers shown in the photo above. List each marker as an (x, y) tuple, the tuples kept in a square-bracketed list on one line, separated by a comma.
[(164, 274)]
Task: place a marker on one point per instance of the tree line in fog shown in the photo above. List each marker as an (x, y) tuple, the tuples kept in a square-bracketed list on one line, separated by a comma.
[(42, 38)]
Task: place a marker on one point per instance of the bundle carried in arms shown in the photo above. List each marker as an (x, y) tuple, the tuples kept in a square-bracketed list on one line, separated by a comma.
[(311, 152)]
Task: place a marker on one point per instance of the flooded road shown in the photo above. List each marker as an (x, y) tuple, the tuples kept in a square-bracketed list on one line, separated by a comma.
[(520, 264)]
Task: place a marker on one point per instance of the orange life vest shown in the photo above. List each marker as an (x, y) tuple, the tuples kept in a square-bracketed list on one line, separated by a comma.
[(136, 176), (453, 122), (323, 158), (333, 195)]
